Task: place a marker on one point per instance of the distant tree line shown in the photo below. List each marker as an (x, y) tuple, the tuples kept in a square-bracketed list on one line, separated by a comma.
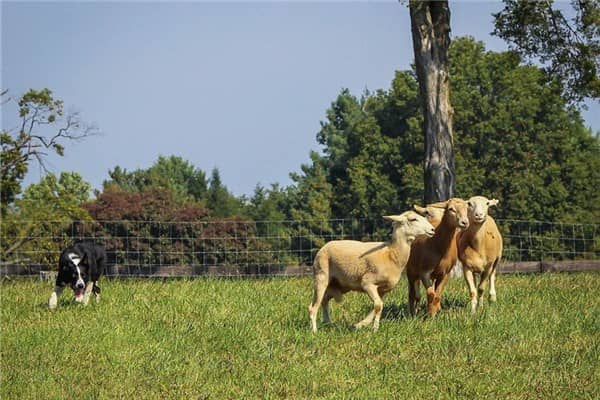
[(518, 138)]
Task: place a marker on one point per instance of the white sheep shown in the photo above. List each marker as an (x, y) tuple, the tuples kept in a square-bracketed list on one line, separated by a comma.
[(480, 248), (371, 267)]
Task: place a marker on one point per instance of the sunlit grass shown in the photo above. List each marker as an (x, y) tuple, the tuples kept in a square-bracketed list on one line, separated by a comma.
[(234, 339)]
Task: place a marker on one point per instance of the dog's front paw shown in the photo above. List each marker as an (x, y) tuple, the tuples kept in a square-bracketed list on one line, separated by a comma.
[(53, 302)]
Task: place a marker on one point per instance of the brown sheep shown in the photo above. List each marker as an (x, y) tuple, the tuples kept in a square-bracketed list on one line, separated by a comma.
[(432, 259), (433, 212)]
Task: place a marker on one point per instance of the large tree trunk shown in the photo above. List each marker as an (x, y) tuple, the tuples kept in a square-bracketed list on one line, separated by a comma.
[(430, 21)]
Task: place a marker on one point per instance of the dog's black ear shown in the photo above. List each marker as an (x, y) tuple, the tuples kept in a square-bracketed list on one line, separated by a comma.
[(90, 260), (87, 258), (63, 263)]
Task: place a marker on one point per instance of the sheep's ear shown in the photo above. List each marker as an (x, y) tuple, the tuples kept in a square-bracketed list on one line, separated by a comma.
[(439, 204), (420, 210), (394, 218), (493, 202)]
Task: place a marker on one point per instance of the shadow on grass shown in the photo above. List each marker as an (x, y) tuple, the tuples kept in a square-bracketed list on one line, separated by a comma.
[(391, 312), (395, 312), (449, 303), (62, 305), (68, 303), (399, 312)]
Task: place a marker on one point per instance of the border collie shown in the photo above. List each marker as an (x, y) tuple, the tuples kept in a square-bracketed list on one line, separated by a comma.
[(80, 265)]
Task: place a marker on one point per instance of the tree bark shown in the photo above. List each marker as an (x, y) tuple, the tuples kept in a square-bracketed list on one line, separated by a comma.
[(430, 23)]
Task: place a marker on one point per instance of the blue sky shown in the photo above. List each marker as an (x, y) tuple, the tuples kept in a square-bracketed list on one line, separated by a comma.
[(239, 86)]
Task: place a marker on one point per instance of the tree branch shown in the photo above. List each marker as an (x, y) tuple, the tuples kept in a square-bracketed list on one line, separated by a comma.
[(18, 243)]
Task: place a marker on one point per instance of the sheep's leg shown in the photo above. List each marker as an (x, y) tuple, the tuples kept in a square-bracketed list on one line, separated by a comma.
[(433, 302), (485, 276), (366, 321), (331, 293), (374, 315), (493, 283), (441, 284), (414, 296), (321, 282), (325, 308), (439, 289), (430, 289), (468, 274)]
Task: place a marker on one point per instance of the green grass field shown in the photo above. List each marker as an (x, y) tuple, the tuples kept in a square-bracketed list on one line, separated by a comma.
[(242, 339)]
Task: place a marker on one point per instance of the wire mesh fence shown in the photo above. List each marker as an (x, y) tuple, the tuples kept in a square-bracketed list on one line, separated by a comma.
[(237, 247)]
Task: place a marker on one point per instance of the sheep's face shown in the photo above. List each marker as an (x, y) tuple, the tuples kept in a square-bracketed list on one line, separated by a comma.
[(434, 213), (478, 208), (412, 225), (457, 213)]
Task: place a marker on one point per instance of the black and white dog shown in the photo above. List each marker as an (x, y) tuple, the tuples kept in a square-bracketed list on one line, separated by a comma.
[(80, 265)]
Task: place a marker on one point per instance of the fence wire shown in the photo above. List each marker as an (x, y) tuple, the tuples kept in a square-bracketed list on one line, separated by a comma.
[(238, 247)]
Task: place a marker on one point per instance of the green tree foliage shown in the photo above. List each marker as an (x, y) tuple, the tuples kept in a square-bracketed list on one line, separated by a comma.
[(43, 213), (174, 172), (10, 181), (219, 200), (370, 172), (271, 209), (186, 183), (183, 176), (373, 150), (337, 138), (43, 127), (517, 139), (134, 181), (569, 48), (311, 207), (269, 204), (312, 193)]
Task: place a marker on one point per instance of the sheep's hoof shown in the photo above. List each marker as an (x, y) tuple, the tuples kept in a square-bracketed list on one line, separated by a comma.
[(360, 325), (432, 311)]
